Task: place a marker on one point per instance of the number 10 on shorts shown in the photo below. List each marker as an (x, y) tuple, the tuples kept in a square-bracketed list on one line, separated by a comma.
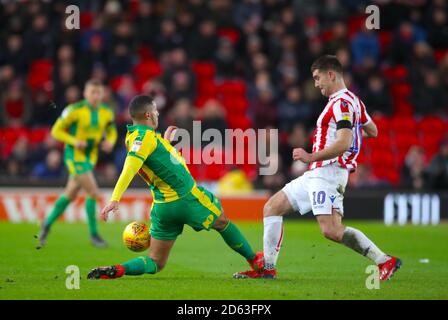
[(318, 197)]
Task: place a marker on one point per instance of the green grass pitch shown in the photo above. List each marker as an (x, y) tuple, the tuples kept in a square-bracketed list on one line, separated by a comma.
[(201, 266)]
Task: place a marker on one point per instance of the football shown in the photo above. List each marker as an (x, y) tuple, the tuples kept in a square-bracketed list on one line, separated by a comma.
[(136, 236)]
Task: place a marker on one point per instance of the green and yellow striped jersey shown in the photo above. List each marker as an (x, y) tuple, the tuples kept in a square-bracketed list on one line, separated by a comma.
[(164, 168), (81, 121)]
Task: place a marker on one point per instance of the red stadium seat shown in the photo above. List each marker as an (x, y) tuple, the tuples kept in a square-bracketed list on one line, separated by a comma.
[(204, 70), (432, 124), (232, 88), (404, 125), (385, 39), (396, 74), (401, 90), (440, 54), (229, 33), (38, 135), (207, 88), (148, 69), (236, 105)]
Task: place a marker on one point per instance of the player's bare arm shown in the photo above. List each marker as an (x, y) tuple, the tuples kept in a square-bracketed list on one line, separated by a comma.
[(370, 130), (343, 141)]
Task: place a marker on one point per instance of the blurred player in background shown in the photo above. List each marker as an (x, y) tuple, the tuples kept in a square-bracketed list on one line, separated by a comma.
[(177, 198), (82, 127), (336, 145)]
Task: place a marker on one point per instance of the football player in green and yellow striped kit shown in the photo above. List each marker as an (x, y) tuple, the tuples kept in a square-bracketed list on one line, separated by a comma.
[(177, 200), (83, 127)]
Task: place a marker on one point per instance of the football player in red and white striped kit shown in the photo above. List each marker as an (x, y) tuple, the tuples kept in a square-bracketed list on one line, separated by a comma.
[(340, 129)]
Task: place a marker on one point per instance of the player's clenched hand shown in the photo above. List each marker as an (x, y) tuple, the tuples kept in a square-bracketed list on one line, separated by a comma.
[(106, 146), (169, 133), (302, 155), (111, 207)]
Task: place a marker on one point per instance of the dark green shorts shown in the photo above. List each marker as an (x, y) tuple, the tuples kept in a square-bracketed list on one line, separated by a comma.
[(199, 209)]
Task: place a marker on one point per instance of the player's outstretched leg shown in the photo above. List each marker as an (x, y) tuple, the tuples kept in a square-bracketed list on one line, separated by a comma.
[(277, 206), (71, 192), (237, 242), (333, 229), (155, 262)]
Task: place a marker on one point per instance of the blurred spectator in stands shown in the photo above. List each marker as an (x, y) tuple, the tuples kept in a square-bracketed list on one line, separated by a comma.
[(273, 182), (14, 54), (40, 151), (146, 22), (225, 60), (178, 76), (182, 115), (413, 171), (365, 46), (124, 93), (72, 94), (438, 168), (120, 61), (157, 90), (339, 38), (297, 138), (264, 109), (204, 43), (213, 116), (15, 106), (293, 109), (187, 25), (65, 54), (109, 173), (262, 81), (44, 112), (244, 10), (65, 77), (422, 61), (20, 159), (51, 168), (333, 11), (38, 40), (168, 38), (443, 72), (429, 97), (376, 96), (7, 76), (363, 178), (403, 42), (123, 35), (438, 29)]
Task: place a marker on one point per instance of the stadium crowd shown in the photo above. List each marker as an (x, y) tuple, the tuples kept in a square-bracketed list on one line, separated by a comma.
[(231, 64)]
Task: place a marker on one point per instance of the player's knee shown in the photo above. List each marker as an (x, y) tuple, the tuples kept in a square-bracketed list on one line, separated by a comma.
[(221, 223), (71, 195), (270, 209)]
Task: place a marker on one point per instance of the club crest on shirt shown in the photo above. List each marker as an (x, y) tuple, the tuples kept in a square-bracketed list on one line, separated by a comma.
[(136, 145)]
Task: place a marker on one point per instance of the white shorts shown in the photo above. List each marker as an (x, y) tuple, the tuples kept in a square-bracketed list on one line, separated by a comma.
[(320, 190)]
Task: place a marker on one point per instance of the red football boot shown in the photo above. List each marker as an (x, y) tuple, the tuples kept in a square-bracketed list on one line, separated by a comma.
[(111, 272), (257, 263), (252, 274), (388, 268)]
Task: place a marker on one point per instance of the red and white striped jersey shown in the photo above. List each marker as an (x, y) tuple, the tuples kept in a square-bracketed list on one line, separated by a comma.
[(342, 105)]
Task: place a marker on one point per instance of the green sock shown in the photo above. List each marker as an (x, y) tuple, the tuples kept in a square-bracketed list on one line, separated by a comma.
[(139, 266), (91, 215), (236, 240), (59, 208)]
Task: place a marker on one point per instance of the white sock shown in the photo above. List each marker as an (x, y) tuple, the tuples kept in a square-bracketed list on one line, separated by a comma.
[(272, 240), (358, 241)]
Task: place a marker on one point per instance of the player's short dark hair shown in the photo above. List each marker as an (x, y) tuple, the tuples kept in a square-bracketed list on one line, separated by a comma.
[(94, 82), (326, 63), (139, 105)]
